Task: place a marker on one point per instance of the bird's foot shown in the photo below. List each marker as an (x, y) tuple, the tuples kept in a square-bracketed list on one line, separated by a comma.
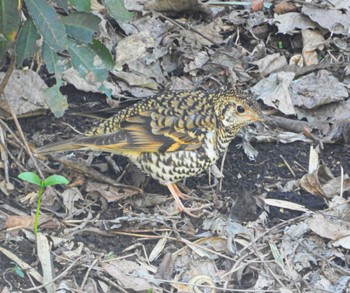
[(178, 195)]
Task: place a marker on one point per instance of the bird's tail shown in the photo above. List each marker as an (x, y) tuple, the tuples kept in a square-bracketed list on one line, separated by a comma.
[(60, 146)]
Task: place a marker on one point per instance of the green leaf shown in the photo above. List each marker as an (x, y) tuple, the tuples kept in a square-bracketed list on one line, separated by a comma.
[(26, 42), (4, 45), (55, 64), (54, 180), (85, 61), (107, 91), (101, 51), (18, 271), (55, 100), (63, 4), (48, 24), (9, 24), (81, 25), (30, 177), (81, 5), (116, 9), (9, 19)]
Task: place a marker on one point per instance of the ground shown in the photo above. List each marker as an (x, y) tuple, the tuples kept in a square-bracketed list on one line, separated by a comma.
[(244, 183)]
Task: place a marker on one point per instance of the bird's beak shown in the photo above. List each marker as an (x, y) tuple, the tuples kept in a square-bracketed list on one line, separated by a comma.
[(256, 117)]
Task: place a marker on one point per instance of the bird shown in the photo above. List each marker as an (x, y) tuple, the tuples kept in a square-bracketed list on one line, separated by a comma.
[(172, 135)]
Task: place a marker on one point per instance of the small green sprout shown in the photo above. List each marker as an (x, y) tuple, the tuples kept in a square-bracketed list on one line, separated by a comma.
[(33, 178), (17, 270)]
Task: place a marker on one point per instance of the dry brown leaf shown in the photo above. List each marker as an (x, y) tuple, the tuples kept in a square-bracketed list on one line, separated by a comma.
[(24, 93), (313, 90), (271, 63), (128, 273), (19, 222), (45, 258), (109, 192), (274, 91), (257, 5), (285, 204), (335, 21), (289, 22), (285, 7), (330, 229), (312, 40), (322, 182)]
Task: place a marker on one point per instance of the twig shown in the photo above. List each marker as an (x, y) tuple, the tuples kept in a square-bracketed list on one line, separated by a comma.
[(55, 279), (7, 75), (299, 71), (14, 159), (92, 173), (25, 142), (8, 129), (113, 284), (222, 168), (288, 166), (185, 26), (87, 274), (4, 154)]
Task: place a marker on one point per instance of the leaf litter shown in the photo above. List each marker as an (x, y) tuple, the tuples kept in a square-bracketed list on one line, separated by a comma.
[(106, 237)]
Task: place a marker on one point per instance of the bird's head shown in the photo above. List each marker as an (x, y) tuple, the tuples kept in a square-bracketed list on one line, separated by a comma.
[(238, 110)]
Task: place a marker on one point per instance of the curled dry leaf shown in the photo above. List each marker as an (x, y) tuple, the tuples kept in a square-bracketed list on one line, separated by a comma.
[(166, 267), (337, 230), (257, 5), (128, 274), (322, 182), (285, 7), (312, 40), (24, 93), (274, 91)]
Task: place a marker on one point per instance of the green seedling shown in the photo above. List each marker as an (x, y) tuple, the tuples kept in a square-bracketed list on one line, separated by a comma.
[(17, 270), (33, 178)]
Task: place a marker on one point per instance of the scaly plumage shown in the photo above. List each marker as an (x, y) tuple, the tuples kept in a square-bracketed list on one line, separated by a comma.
[(171, 136)]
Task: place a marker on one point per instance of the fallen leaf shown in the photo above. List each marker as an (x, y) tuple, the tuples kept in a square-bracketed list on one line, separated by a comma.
[(128, 273), (335, 21), (289, 22), (24, 93), (313, 90), (274, 91)]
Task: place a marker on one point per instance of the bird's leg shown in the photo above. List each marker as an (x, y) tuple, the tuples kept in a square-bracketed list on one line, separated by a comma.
[(177, 194)]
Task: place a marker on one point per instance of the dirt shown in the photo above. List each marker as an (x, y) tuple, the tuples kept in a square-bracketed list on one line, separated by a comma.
[(245, 181)]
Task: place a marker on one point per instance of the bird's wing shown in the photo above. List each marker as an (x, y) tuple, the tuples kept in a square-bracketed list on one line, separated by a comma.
[(156, 128)]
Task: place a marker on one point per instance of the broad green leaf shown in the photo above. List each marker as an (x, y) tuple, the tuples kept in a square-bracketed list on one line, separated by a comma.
[(85, 61), (107, 91), (9, 19), (55, 64), (4, 45), (63, 4), (101, 51), (9, 23), (116, 9), (30, 177), (81, 25), (54, 180), (48, 24), (55, 100), (26, 42), (81, 5)]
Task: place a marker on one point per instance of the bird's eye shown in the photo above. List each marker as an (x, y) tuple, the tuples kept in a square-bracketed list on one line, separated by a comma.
[(240, 109)]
